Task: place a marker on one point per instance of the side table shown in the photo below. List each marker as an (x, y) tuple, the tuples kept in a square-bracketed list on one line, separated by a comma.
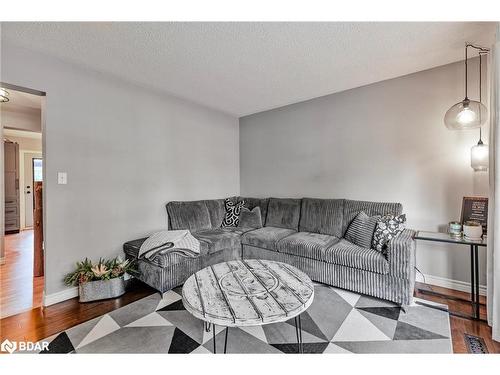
[(474, 269)]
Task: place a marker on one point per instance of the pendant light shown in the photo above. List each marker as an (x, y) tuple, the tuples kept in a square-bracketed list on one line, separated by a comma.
[(4, 95), (479, 154), (467, 114)]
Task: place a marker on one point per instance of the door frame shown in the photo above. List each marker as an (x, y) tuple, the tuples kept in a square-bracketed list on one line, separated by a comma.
[(22, 207), (43, 96)]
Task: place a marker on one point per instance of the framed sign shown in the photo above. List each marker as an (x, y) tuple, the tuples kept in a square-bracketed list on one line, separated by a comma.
[(475, 209)]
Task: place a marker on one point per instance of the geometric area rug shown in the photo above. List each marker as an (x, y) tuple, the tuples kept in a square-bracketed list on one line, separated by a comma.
[(338, 321)]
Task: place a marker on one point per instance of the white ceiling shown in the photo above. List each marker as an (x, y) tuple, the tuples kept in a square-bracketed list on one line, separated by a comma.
[(244, 68), (22, 133), (22, 102)]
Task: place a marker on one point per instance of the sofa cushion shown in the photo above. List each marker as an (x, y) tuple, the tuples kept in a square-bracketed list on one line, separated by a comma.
[(237, 230), (216, 210), (307, 245), (266, 238), (322, 216), (353, 208), (262, 203), (348, 254), (283, 213), (217, 239), (360, 231), (192, 215)]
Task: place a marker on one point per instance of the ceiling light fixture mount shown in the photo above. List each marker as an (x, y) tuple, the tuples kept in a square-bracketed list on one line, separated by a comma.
[(4, 95), (467, 114)]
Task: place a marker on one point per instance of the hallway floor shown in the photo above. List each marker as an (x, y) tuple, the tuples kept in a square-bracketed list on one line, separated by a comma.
[(19, 290)]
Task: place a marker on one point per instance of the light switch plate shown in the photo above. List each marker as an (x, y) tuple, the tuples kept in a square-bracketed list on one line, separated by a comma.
[(62, 178)]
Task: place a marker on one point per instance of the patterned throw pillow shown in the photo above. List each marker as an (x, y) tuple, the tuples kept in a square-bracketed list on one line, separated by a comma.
[(232, 213), (360, 231), (388, 227)]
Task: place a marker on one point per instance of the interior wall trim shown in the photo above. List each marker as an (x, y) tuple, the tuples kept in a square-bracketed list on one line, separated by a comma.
[(63, 295), (461, 286), (22, 89)]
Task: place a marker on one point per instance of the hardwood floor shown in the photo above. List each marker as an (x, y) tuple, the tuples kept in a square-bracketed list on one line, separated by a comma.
[(19, 290), (43, 322), (40, 322), (460, 326)]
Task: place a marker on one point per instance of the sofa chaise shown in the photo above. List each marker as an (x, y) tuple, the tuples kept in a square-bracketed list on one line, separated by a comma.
[(307, 233)]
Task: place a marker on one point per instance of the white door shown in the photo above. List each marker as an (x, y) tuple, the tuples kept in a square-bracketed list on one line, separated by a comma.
[(31, 160)]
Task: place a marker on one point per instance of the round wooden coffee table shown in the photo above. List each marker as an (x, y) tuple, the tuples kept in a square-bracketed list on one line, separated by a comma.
[(248, 292)]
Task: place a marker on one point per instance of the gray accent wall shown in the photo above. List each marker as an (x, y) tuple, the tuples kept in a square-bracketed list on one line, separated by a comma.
[(127, 151), (382, 142)]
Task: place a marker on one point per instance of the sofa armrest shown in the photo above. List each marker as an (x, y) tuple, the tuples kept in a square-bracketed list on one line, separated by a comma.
[(401, 254)]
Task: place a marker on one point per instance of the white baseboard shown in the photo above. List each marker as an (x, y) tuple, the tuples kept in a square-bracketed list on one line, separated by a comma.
[(63, 295), (462, 286)]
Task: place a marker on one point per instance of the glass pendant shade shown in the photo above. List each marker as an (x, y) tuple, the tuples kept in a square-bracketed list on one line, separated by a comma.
[(479, 157), (4, 95), (467, 114)]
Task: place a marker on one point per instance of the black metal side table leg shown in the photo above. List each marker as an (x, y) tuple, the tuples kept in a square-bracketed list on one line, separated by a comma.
[(476, 264), (472, 280)]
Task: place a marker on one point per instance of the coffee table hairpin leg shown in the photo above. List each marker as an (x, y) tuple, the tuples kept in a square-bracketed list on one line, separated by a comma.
[(298, 331), (212, 326)]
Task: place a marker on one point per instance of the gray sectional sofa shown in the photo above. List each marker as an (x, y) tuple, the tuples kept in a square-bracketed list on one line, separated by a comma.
[(306, 233)]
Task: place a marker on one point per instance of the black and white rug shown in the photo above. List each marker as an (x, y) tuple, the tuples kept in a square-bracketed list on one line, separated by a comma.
[(338, 321)]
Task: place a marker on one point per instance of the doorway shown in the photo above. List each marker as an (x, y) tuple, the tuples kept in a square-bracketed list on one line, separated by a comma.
[(22, 258), (33, 167)]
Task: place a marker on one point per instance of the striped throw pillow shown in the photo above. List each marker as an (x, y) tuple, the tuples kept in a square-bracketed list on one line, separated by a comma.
[(360, 231)]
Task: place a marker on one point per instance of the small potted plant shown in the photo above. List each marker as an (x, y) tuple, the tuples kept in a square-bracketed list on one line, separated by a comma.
[(100, 281)]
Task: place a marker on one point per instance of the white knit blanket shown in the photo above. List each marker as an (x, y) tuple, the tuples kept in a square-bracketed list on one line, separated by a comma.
[(169, 240)]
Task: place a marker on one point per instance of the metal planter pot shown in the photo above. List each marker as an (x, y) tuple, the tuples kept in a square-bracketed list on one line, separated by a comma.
[(101, 289)]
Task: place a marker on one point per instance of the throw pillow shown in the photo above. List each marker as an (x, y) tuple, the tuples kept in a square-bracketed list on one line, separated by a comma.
[(232, 213), (360, 231), (250, 219), (388, 227)]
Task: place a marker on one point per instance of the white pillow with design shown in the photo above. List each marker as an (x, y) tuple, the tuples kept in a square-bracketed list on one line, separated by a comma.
[(388, 227)]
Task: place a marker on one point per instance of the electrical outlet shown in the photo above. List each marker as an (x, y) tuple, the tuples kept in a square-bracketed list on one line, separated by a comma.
[(62, 178)]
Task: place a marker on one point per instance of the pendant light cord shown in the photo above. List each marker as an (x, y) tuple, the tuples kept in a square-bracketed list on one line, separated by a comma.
[(466, 46), (480, 77), (482, 51), (480, 92)]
